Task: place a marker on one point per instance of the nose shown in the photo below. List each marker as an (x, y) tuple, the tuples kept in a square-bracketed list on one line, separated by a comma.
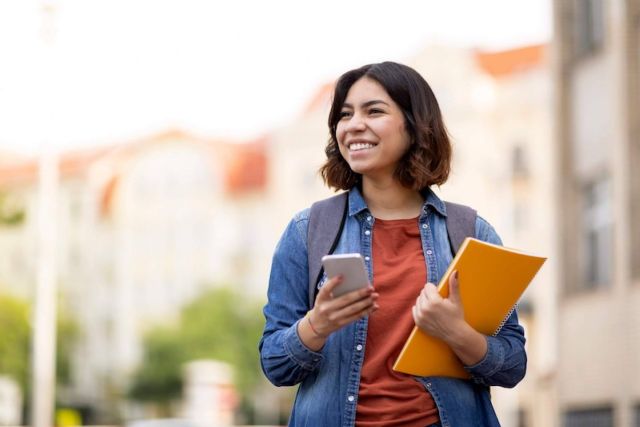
[(355, 124)]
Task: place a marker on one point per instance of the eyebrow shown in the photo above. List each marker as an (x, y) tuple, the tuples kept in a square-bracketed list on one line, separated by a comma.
[(366, 104)]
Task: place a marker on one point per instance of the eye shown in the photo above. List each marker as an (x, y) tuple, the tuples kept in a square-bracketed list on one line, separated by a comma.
[(344, 114), (376, 111)]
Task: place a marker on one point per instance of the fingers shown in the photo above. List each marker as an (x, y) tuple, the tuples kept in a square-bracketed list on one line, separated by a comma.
[(356, 308), (331, 317), (427, 299), (431, 293), (454, 288), (330, 314), (325, 294), (330, 285)]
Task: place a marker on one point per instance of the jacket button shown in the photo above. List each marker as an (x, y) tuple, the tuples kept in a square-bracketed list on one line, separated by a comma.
[(351, 398), (359, 347), (367, 232)]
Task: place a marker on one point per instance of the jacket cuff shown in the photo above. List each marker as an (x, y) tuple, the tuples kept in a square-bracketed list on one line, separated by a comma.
[(300, 353), (492, 361)]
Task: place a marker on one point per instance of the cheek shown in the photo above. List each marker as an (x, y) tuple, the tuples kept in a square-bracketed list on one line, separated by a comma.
[(339, 134)]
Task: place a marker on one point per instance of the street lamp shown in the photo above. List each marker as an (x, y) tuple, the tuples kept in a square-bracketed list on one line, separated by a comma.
[(44, 329)]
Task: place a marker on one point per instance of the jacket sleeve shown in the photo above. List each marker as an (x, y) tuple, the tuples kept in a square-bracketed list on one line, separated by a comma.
[(284, 358), (505, 362)]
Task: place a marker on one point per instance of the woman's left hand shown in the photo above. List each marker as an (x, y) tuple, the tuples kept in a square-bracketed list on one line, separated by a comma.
[(444, 318), (437, 316)]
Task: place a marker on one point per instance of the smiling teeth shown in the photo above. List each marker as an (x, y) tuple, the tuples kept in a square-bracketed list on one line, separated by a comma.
[(360, 146)]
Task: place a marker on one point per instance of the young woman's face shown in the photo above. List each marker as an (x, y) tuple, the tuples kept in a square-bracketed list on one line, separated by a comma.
[(371, 131)]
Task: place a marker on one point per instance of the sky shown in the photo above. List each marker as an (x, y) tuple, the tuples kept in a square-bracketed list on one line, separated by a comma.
[(78, 73)]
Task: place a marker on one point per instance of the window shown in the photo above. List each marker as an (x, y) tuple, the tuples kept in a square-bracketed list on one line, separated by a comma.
[(523, 419), (588, 27), (635, 213), (634, 157), (519, 166), (597, 417), (520, 216), (597, 233)]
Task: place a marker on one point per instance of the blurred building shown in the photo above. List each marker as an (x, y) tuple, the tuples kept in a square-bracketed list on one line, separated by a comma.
[(10, 402), (295, 153), (597, 121), (143, 227), (210, 398)]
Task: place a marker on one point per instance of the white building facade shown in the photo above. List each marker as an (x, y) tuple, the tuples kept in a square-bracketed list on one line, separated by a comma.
[(597, 81)]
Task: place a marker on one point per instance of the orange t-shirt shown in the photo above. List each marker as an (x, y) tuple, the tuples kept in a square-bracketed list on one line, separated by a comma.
[(388, 398)]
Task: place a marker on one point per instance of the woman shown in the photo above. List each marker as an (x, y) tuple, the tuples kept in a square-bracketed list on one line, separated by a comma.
[(388, 146)]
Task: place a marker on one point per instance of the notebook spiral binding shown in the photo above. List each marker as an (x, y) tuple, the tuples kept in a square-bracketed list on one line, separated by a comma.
[(505, 320)]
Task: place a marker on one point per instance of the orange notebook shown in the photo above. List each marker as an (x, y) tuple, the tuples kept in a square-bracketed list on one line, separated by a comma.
[(492, 278)]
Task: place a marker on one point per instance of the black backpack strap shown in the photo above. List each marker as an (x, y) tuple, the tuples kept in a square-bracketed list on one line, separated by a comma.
[(461, 223), (326, 221)]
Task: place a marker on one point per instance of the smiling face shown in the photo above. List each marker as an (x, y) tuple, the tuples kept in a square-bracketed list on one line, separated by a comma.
[(371, 132)]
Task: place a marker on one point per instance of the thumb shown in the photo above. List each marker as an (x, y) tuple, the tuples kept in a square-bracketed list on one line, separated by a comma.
[(330, 285), (454, 288)]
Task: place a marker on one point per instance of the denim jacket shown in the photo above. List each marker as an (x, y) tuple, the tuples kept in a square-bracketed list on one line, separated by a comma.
[(329, 379)]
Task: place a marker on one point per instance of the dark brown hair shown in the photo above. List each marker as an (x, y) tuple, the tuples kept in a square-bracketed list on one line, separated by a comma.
[(428, 160)]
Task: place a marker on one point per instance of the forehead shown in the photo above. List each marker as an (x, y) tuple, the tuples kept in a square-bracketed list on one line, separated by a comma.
[(366, 89)]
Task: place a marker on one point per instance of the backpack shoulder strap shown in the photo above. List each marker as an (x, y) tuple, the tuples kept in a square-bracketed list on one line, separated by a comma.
[(461, 223), (326, 221)]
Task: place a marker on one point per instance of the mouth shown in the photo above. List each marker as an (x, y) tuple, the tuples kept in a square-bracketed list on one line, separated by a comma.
[(359, 145)]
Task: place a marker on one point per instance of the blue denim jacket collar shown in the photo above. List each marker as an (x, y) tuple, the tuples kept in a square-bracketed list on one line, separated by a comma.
[(357, 204)]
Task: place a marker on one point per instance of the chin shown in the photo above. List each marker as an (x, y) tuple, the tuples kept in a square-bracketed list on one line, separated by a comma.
[(359, 169)]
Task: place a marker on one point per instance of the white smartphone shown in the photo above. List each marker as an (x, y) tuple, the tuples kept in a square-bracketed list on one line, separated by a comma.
[(351, 267)]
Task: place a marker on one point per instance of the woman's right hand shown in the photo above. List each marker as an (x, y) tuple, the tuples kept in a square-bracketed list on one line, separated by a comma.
[(330, 314)]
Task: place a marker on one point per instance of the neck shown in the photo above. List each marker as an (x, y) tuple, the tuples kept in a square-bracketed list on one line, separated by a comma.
[(390, 200)]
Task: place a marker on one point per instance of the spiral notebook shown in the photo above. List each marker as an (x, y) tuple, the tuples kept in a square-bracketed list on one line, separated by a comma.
[(491, 280)]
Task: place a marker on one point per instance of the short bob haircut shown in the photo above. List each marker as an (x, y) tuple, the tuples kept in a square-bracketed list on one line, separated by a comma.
[(428, 160)]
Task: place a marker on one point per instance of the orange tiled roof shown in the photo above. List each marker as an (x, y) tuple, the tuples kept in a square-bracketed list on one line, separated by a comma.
[(507, 62), (248, 167), (245, 163), (25, 170)]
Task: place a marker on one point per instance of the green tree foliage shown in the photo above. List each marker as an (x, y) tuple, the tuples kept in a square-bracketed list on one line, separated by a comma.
[(12, 211), (15, 331), (220, 324), (66, 336), (15, 344), (158, 378)]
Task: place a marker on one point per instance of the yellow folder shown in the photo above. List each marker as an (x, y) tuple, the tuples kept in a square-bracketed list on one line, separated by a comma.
[(491, 280)]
